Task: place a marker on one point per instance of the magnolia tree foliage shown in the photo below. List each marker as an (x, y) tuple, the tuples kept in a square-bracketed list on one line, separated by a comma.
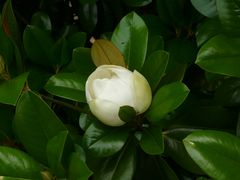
[(123, 89)]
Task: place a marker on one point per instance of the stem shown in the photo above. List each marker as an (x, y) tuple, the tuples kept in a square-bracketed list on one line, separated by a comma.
[(76, 108)]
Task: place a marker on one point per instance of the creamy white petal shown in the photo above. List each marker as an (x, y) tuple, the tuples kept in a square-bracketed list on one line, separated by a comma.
[(106, 112), (142, 91)]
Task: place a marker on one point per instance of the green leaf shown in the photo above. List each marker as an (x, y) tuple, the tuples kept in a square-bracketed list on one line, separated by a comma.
[(131, 38), (88, 15), (151, 141), (67, 85), (38, 45), (12, 178), (175, 149), (137, 3), (6, 114), (207, 29), (81, 61), (206, 7), (76, 40), (6, 48), (228, 11), (167, 99), (127, 113), (85, 121), (61, 53), (220, 55), (78, 170), (11, 89), (155, 43), (35, 123), (42, 21), (154, 67), (120, 166), (103, 141), (15, 163), (9, 23), (217, 153), (57, 152)]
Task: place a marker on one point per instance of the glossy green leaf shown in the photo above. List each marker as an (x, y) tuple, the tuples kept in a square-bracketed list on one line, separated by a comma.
[(167, 99), (6, 48), (131, 38), (42, 21), (76, 40), (137, 3), (88, 16), (220, 55), (78, 170), (38, 45), (81, 61), (228, 11), (12, 178), (151, 141), (61, 52), (9, 22), (217, 153), (206, 7), (154, 67), (55, 152), (15, 163), (85, 121), (6, 114), (155, 43), (67, 85), (175, 149), (181, 51), (127, 113), (11, 90), (120, 166), (207, 29), (35, 123), (101, 140)]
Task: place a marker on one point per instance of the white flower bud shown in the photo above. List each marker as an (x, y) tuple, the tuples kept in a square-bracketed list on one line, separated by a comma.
[(109, 87)]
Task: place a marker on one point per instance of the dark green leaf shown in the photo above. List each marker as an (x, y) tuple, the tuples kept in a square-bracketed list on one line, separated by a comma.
[(88, 16), (6, 48), (85, 121), (101, 140), (137, 3), (217, 153), (78, 170), (220, 55), (206, 7), (131, 37), (38, 45), (82, 61), (61, 52), (11, 89), (207, 29), (42, 21), (15, 163), (167, 99), (229, 14), (55, 152), (9, 22), (77, 40), (154, 67), (175, 149), (238, 126), (67, 85), (127, 113), (152, 141), (35, 123), (120, 166), (155, 43)]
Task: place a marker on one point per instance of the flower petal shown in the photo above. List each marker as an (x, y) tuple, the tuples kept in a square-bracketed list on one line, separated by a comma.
[(143, 92), (106, 112)]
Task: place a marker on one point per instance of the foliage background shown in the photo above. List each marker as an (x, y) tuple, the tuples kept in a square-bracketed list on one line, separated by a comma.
[(188, 51)]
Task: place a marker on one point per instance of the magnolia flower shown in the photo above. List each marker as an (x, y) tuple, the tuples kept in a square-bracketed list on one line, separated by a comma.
[(109, 87)]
